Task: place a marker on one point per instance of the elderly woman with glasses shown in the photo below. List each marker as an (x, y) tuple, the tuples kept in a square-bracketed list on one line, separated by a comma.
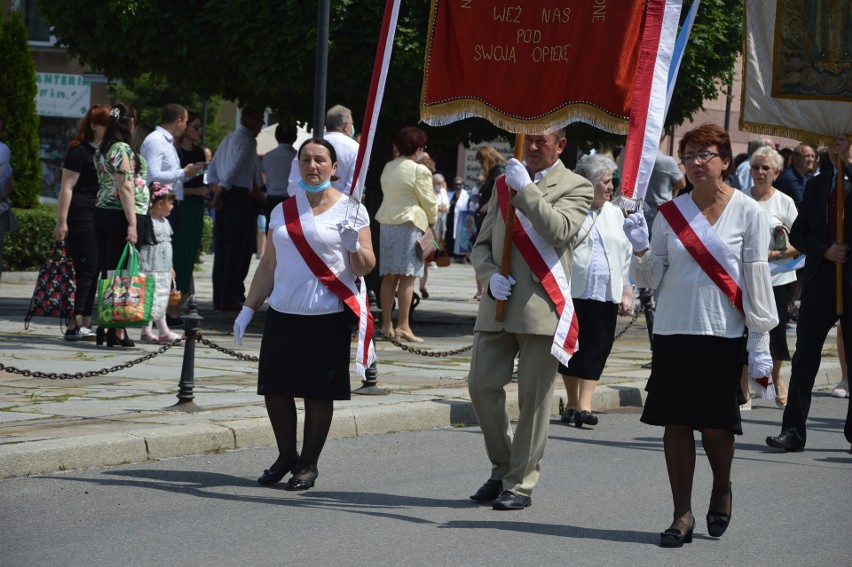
[(780, 209), (708, 257)]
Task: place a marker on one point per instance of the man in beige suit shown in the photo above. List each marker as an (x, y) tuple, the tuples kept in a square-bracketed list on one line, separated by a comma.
[(556, 202)]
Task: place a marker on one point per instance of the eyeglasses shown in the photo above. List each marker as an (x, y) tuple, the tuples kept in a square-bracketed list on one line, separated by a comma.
[(703, 156), (196, 127)]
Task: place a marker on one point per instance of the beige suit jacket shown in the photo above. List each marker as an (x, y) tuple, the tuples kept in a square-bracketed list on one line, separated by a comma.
[(556, 208)]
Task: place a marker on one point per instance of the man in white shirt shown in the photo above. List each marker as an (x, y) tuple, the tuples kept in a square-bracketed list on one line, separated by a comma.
[(276, 166), (160, 152), (235, 173), (340, 133)]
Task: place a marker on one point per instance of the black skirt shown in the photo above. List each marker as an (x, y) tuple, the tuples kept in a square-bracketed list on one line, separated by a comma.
[(305, 356), (597, 333), (695, 380)]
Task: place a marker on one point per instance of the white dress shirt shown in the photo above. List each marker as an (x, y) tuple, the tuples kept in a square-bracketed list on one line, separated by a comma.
[(276, 166), (159, 151), (235, 163), (690, 302), (347, 153)]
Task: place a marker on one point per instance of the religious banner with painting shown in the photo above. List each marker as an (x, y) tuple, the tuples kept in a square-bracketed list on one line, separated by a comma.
[(529, 66), (797, 69)]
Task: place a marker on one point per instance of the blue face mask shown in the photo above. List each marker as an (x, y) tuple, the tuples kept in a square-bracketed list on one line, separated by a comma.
[(315, 188), (352, 133)]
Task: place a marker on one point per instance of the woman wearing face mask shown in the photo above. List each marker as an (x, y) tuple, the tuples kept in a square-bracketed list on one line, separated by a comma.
[(319, 246), (408, 209)]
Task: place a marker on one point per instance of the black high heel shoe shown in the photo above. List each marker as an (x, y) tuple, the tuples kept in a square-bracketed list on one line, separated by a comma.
[(303, 480), (112, 340), (269, 477), (100, 335), (717, 522), (672, 537)]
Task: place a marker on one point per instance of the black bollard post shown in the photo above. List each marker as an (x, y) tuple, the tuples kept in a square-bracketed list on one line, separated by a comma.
[(187, 372), (369, 385)]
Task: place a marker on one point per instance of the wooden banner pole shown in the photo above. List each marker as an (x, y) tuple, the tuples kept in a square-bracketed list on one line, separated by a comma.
[(506, 259)]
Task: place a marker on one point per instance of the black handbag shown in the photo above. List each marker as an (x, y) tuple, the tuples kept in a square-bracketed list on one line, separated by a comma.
[(55, 288)]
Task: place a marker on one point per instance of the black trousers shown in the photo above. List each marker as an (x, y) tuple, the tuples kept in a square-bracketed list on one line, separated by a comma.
[(817, 315), (234, 233), (83, 248)]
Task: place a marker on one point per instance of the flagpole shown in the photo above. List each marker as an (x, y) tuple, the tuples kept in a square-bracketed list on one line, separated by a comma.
[(841, 215), (506, 259)]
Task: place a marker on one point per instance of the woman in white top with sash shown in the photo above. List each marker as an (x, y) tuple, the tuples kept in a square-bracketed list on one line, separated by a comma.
[(320, 245), (599, 288), (766, 164), (708, 258)]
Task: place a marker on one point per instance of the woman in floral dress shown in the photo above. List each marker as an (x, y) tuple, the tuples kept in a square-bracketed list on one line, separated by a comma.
[(121, 209)]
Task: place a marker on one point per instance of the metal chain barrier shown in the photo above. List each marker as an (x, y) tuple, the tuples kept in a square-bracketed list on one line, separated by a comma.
[(630, 324), (227, 351), (90, 373), (247, 357), (420, 351)]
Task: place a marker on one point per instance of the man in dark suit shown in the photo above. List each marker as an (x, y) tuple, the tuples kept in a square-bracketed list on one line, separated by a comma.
[(814, 234)]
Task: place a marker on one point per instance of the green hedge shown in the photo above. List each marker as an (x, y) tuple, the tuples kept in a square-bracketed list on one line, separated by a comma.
[(26, 249)]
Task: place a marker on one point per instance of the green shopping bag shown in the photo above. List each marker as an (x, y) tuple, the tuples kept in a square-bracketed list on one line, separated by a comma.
[(125, 300)]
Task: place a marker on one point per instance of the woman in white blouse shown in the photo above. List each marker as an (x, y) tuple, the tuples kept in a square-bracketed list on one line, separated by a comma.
[(766, 164), (708, 259), (599, 289), (306, 341)]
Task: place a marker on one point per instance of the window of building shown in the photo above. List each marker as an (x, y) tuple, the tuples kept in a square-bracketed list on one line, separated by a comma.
[(39, 30)]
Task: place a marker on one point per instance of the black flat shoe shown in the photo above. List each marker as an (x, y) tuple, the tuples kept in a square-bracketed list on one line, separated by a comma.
[(511, 501), (569, 415), (717, 522), (585, 417), (100, 336), (488, 492), (672, 537), (269, 477), (303, 480)]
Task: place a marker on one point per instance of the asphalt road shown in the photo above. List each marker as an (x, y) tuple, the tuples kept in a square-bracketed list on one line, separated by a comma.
[(401, 499)]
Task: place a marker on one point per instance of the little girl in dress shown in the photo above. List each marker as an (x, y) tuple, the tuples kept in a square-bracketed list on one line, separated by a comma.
[(156, 260)]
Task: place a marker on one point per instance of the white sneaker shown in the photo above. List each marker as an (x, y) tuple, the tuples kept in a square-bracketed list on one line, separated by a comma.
[(746, 406), (841, 390)]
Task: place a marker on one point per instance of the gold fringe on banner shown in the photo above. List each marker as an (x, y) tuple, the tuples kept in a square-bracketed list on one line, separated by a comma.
[(445, 113), (810, 138)]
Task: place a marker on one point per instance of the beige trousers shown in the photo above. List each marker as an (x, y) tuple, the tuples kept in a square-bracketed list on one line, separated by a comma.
[(515, 456)]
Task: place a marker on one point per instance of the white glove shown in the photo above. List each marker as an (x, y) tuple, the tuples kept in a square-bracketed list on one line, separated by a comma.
[(759, 364), (636, 230), (501, 287), (242, 323), (517, 175), (349, 235)]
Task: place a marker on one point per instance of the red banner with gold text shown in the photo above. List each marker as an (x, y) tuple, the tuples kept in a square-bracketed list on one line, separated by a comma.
[(529, 66)]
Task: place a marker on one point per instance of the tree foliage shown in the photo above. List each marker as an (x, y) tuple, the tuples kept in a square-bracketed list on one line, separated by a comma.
[(263, 52), (17, 107)]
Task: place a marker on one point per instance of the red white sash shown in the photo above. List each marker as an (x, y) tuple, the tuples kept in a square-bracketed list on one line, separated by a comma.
[(326, 264), (705, 246), (544, 262)]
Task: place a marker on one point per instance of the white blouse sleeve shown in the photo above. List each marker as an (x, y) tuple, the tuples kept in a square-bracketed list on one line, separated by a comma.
[(761, 314)]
